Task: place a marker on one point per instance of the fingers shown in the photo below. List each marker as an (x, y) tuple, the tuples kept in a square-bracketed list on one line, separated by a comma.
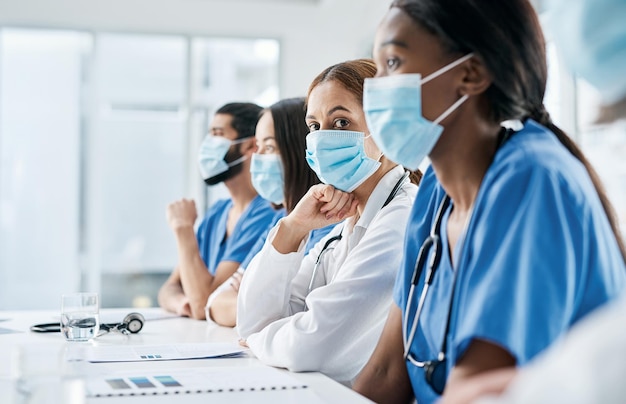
[(185, 310), (349, 210), (338, 203), (183, 205), (181, 213)]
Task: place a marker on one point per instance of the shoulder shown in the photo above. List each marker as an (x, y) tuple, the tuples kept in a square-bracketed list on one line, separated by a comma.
[(258, 203), (215, 211), (258, 216), (534, 159), (261, 210), (219, 206)]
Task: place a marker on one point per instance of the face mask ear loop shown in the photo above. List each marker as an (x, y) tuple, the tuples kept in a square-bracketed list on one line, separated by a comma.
[(238, 161), (239, 141), (450, 110), (381, 153), (446, 68)]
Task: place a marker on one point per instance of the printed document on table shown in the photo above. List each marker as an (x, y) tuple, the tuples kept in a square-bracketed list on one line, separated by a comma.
[(140, 353), (194, 381)]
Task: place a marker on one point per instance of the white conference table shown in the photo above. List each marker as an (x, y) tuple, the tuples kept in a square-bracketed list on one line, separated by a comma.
[(321, 389)]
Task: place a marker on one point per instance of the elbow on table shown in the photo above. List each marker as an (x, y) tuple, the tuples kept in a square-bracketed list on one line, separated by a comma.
[(197, 311), (302, 359)]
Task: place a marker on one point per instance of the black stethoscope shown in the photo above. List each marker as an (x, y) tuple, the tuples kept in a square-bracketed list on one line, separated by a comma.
[(434, 370), (328, 244), (131, 324)]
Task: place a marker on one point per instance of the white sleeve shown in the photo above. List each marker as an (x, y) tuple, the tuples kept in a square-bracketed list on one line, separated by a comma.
[(345, 318), (265, 292)]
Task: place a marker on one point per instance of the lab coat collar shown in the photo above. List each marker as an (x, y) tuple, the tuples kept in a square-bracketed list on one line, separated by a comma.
[(379, 196)]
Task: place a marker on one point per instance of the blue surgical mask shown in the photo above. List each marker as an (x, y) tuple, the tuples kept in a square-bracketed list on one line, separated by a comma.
[(267, 177), (393, 111), (338, 158), (591, 37), (212, 153)]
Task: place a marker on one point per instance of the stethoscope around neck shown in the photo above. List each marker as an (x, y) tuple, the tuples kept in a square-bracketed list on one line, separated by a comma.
[(328, 245), (433, 240), (434, 370)]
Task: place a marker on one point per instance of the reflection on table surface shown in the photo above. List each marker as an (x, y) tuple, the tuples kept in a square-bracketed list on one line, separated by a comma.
[(160, 328)]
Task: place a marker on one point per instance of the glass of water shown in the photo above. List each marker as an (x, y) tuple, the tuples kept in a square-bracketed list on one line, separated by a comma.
[(79, 316)]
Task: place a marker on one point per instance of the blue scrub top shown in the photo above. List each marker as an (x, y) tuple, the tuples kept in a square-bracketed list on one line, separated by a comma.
[(315, 236), (211, 235), (539, 254)]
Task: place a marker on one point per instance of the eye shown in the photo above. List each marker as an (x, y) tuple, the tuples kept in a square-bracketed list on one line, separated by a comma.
[(313, 126), (392, 63), (340, 123), (270, 149)]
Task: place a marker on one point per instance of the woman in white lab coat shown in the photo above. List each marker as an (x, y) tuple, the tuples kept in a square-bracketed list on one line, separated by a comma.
[(325, 311)]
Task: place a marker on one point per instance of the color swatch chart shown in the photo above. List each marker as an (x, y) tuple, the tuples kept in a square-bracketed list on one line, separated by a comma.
[(192, 381)]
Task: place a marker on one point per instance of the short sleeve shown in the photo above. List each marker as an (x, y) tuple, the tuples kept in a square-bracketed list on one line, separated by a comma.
[(249, 229), (522, 266), (207, 228), (258, 246)]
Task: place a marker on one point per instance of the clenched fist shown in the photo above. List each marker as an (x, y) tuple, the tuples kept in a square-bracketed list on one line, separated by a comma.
[(181, 214)]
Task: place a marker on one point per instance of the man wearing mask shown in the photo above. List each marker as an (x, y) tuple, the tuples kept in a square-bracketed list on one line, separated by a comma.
[(231, 226), (589, 364)]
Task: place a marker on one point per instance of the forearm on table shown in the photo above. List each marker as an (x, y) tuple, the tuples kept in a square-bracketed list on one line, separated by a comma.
[(223, 309), (170, 296), (283, 345), (196, 280), (265, 289)]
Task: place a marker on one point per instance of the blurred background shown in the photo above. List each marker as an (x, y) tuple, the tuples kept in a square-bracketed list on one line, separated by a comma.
[(103, 106)]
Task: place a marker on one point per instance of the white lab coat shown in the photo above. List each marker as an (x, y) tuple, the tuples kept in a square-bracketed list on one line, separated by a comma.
[(351, 297)]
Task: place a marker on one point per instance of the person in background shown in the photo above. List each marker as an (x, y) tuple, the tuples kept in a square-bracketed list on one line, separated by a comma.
[(324, 311), (588, 365), (231, 226), (512, 240), (281, 175)]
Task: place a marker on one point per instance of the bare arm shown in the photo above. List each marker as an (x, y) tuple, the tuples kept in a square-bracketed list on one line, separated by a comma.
[(480, 359), (196, 282), (171, 296), (492, 382), (385, 378), (223, 310)]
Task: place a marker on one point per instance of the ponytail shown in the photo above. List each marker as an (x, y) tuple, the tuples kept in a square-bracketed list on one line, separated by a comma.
[(543, 117)]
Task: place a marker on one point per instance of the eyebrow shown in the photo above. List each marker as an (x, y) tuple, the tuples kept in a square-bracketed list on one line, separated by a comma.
[(394, 42), (331, 111), (337, 108)]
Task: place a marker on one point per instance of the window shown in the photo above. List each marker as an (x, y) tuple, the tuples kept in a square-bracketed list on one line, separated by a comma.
[(98, 133)]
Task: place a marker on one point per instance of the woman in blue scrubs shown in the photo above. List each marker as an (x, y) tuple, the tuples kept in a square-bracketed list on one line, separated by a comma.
[(512, 240), (281, 175)]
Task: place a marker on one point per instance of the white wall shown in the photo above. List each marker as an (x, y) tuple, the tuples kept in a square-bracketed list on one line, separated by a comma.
[(313, 34)]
